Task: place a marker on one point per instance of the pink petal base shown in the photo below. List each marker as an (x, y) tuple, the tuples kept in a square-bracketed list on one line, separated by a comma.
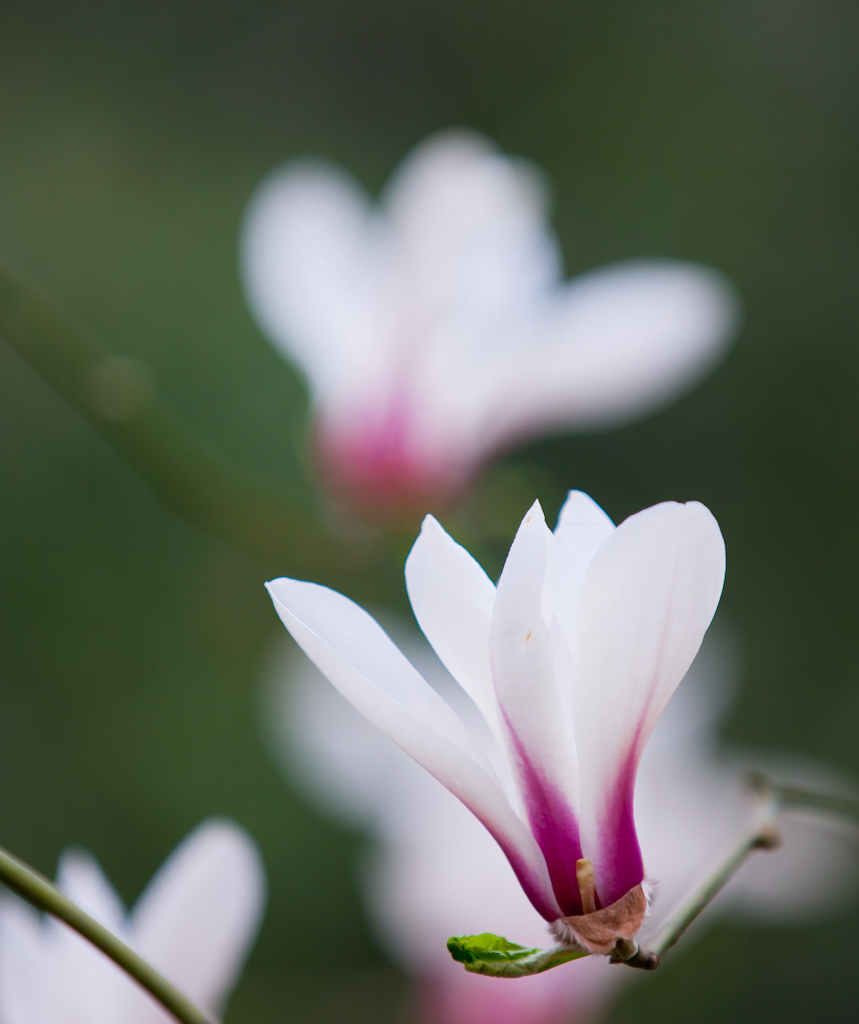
[(376, 470)]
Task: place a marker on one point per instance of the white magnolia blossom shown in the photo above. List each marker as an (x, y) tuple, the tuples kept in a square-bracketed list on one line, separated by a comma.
[(436, 328), (568, 663), (434, 871), (195, 923)]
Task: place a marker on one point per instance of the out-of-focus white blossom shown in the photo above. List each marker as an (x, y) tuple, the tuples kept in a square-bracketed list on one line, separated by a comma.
[(434, 871), (436, 328), (195, 923)]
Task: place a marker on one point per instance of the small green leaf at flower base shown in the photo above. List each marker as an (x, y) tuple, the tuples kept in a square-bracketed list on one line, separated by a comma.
[(497, 957), (469, 949)]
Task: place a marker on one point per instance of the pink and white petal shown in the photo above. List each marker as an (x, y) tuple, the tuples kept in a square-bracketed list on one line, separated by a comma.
[(452, 599), (582, 528), (471, 226), (198, 917), (359, 659), (616, 343), (648, 597), (313, 261), (523, 658), (27, 989)]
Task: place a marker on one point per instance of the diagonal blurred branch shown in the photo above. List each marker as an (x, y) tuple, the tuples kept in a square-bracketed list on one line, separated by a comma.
[(119, 398), (42, 894)]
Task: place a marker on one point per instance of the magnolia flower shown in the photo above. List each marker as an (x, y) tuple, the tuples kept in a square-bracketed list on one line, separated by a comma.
[(569, 662), (195, 923), (434, 871), (437, 329)]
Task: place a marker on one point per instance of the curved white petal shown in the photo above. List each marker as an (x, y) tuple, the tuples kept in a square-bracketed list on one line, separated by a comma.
[(470, 225), (452, 598), (359, 658), (523, 650), (523, 659), (314, 268), (616, 343), (582, 528), (87, 984), (26, 986), (356, 655), (647, 599), (197, 918)]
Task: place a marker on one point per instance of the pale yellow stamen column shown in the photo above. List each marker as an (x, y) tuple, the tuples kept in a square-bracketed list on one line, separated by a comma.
[(587, 885)]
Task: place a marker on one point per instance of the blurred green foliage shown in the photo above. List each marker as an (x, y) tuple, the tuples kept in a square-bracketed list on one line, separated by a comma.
[(132, 135)]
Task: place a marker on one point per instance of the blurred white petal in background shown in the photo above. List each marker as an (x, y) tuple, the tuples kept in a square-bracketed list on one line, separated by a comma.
[(436, 328), (434, 871), (195, 923)]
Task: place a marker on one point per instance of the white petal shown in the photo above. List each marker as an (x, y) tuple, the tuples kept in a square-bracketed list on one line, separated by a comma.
[(197, 918), (617, 343), (525, 652), (452, 598), (356, 655), (470, 225), (313, 269), (522, 655), (646, 602), (359, 658), (26, 991), (87, 984), (582, 528)]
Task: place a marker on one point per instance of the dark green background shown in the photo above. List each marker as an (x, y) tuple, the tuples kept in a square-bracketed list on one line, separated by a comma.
[(131, 135)]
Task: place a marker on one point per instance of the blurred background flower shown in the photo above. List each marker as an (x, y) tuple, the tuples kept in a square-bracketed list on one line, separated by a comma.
[(134, 134), (195, 923), (435, 330)]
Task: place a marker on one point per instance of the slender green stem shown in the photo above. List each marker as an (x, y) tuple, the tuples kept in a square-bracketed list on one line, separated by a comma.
[(828, 804), (764, 835), (36, 889), (119, 397)]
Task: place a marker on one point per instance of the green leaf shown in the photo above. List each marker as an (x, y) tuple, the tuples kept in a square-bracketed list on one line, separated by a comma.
[(468, 949), (497, 957)]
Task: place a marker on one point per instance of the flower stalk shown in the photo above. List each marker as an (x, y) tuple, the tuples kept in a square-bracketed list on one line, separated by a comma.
[(27, 883), (764, 835), (479, 954), (118, 396)]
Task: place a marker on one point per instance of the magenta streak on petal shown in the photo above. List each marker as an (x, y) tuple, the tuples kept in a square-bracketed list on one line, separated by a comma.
[(621, 867), (377, 462), (553, 825)]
